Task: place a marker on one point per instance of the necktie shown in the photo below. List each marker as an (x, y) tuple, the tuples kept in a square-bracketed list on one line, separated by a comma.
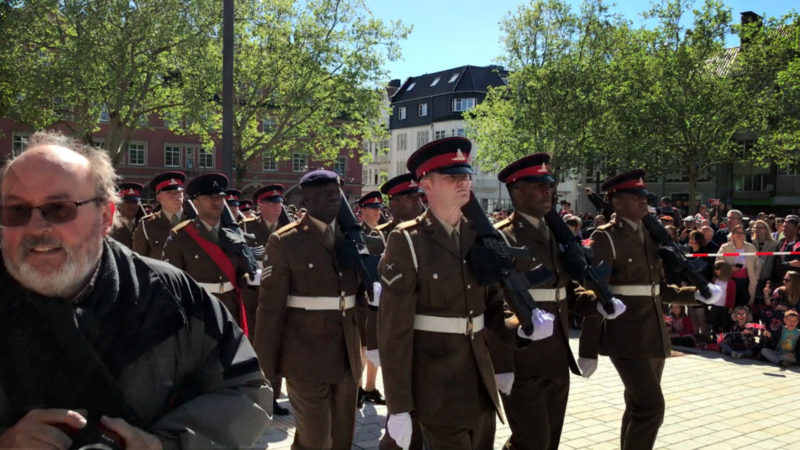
[(174, 220), (329, 237), (456, 239)]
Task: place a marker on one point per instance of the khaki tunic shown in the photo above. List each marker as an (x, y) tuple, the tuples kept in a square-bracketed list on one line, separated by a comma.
[(261, 231), (122, 234), (368, 314), (183, 252), (442, 378), (318, 346), (151, 234)]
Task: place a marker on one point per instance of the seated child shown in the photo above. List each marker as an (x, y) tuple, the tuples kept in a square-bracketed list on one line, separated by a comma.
[(782, 348), (741, 339), (679, 326)]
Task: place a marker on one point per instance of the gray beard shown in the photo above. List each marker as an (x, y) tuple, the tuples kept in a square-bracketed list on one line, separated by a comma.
[(64, 282)]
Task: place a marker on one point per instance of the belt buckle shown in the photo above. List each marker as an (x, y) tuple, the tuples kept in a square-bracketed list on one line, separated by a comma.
[(652, 290), (221, 287), (470, 328)]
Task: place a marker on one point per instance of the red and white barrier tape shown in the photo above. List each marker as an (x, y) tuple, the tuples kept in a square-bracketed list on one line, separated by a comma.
[(706, 255)]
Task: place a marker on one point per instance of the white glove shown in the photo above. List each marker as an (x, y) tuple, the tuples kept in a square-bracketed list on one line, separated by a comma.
[(376, 294), (587, 366), (373, 357), (716, 296), (399, 428), (619, 308), (505, 381), (256, 280), (542, 326)]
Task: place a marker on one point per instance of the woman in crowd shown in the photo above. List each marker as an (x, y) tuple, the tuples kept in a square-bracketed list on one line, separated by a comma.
[(762, 240), (780, 300), (697, 244), (745, 268), (679, 327)]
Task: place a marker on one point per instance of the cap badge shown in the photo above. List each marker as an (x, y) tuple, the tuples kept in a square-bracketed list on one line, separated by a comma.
[(640, 182), (130, 192), (543, 169), (459, 156), (412, 183), (214, 184), (173, 181)]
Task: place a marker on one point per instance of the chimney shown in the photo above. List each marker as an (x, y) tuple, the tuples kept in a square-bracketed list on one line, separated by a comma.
[(751, 24)]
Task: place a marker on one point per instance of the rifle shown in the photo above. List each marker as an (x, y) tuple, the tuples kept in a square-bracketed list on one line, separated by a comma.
[(492, 260), (577, 262), (283, 219), (351, 252), (673, 257)]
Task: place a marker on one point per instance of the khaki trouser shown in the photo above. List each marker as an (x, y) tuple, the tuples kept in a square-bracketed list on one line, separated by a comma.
[(325, 413)]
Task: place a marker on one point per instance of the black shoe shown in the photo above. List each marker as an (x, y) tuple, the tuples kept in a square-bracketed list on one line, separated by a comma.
[(360, 398), (279, 410), (374, 397)]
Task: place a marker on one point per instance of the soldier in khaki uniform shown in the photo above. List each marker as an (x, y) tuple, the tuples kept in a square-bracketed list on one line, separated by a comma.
[(637, 342), (270, 203), (537, 401), (125, 218), (434, 316), (233, 198), (246, 208), (153, 230), (306, 328), (370, 209), (197, 246), (405, 203)]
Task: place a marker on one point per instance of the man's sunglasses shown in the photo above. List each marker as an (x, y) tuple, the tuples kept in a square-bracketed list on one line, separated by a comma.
[(53, 212)]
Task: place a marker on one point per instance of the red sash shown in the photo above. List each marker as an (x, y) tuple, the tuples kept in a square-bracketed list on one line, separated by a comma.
[(221, 260)]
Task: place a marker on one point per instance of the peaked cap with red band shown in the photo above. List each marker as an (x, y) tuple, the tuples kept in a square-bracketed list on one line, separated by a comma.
[(245, 205), (401, 185), (130, 191), (534, 168), (448, 156), (168, 181), (272, 193), (212, 183), (372, 199), (631, 182), (232, 197)]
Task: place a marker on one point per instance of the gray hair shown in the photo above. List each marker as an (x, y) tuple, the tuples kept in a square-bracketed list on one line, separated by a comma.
[(737, 213), (102, 171)]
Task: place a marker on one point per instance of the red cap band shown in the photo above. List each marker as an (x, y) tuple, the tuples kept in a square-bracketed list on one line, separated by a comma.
[(170, 182), (443, 160), (268, 194), (531, 171), (131, 192), (403, 187), (372, 200), (630, 184)]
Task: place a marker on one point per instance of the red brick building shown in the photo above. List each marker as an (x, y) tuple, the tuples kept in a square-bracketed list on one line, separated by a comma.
[(157, 149)]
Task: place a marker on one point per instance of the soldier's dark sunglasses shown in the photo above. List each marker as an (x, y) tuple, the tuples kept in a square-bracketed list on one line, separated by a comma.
[(53, 212)]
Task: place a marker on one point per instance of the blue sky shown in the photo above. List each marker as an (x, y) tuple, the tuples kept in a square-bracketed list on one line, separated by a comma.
[(452, 33)]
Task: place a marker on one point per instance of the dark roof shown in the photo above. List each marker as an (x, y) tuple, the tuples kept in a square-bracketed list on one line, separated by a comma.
[(465, 79)]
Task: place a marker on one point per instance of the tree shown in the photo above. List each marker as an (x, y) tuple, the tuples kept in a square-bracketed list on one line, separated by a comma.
[(308, 79), (68, 61), (557, 92), (768, 72)]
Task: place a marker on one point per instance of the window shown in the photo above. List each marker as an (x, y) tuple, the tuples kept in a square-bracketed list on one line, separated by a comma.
[(268, 163), (206, 157), (422, 109), (20, 142), (457, 132), (190, 157), (340, 166), (172, 156), (401, 113), (401, 168), (104, 116), (299, 162), (435, 81), (136, 154), (422, 138), (268, 124), (756, 182), (453, 77), (439, 134), (463, 104), (402, 143), (411, 86)]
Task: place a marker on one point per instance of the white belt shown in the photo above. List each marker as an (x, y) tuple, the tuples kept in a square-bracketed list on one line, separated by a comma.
[(548, 295), (638, 290), (321, 303), (217, 288), (456, 325)]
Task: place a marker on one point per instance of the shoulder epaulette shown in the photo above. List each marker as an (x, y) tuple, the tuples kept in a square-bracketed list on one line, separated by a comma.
[(179, 226), (503, 223), (409, 223), (249, 219), (287, 227), (383, 226), (605, 226), (151, 216)]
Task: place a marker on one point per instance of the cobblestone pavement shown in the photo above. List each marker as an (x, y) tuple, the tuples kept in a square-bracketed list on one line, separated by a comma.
[(713, 402)]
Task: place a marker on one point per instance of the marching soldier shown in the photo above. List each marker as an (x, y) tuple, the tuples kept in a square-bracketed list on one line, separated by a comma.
[(246, 208), (198, 246), (538, 396), (405, 203), (370, 207), (637, 342), (153, 229), (129, 211), (232, 198), (270, 203), (433, 345), (306, 328)]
